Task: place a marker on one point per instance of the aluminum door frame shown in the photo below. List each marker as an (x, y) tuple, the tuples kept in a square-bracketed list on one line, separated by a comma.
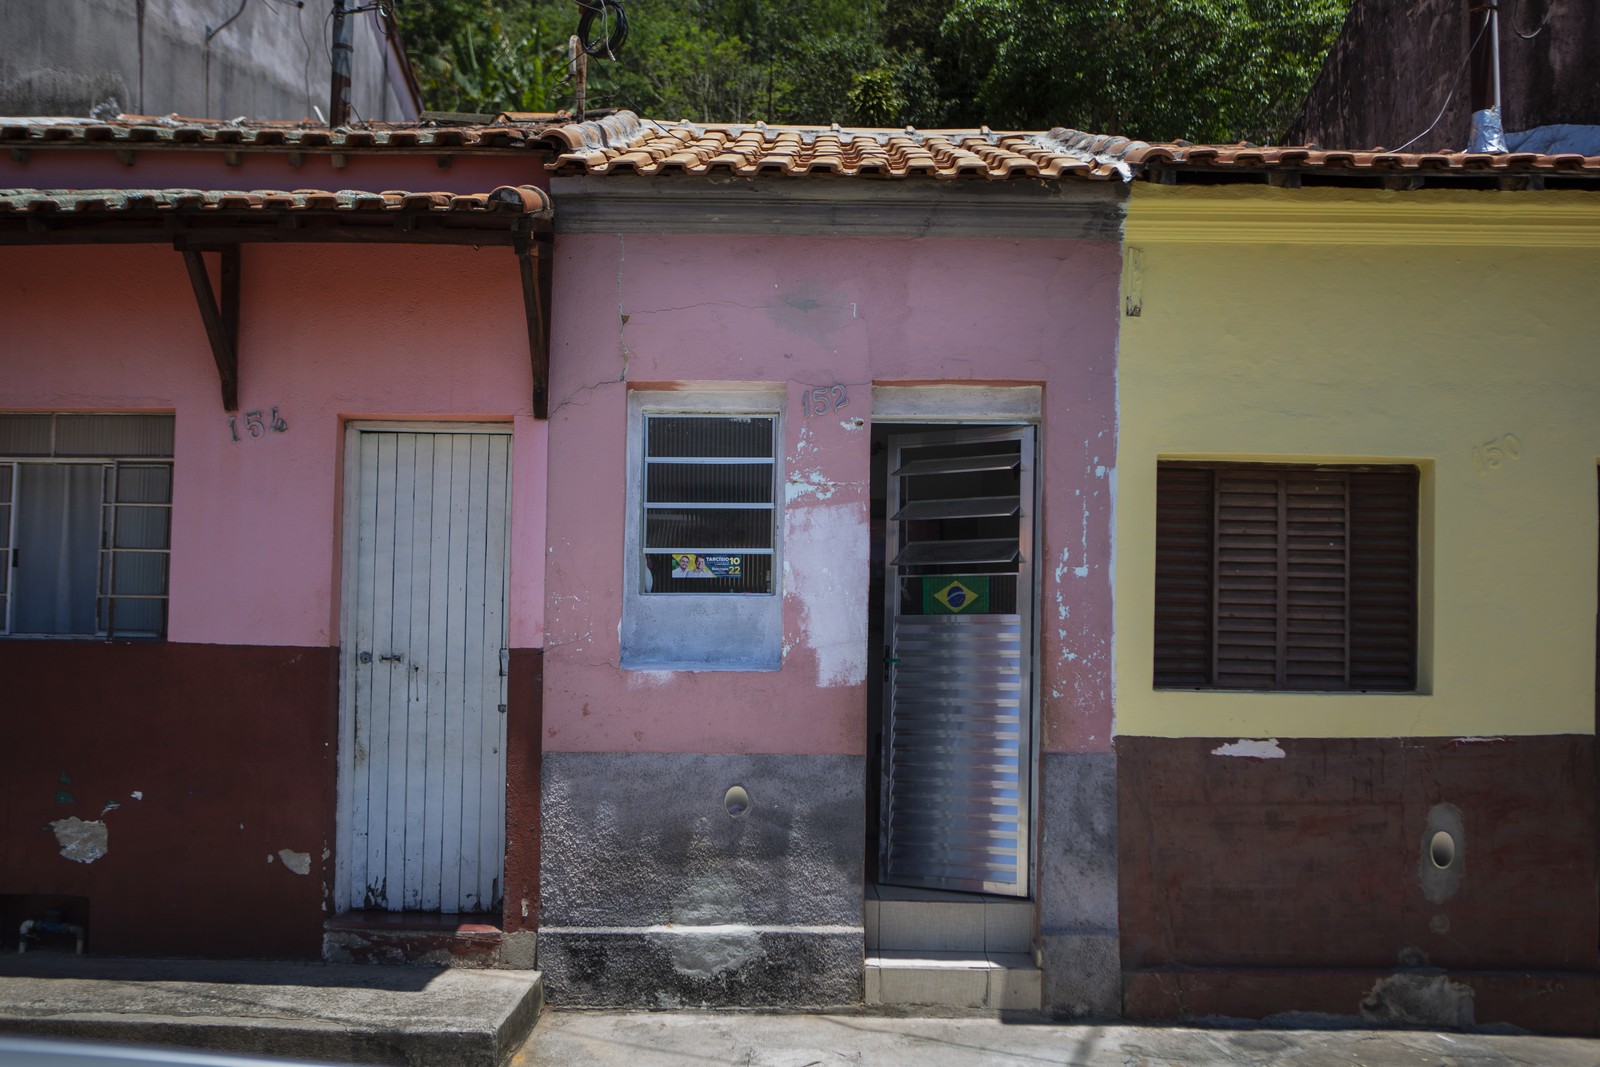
[(1029, 579)]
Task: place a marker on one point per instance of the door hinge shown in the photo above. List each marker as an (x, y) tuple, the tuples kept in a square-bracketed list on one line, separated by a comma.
[(505, 664)]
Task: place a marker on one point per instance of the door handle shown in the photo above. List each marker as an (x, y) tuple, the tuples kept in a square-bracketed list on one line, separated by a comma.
[(393, 657)]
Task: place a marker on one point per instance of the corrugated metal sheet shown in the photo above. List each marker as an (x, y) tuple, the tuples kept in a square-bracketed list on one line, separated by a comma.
[(957, 784)]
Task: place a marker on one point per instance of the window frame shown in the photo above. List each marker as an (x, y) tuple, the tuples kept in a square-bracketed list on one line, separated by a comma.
[(771, 506), (710, 631), (1378, 548), (109, 510)]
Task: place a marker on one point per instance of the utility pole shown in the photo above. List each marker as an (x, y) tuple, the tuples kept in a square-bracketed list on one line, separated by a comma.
[(578, 66), (1483, 29), (339, 97)]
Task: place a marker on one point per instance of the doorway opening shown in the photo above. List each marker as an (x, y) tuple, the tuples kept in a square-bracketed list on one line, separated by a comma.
[(951, 719)]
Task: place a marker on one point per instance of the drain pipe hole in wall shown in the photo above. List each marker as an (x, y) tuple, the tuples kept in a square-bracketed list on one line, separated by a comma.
[(1442, 849), (736, 801)]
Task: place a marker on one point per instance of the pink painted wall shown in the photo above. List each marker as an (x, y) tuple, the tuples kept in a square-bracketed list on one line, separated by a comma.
[(327, 334), (642, 311), (376, 170)]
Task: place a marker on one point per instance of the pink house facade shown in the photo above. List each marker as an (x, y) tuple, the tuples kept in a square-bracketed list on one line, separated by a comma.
[(745, 781), (401, 616), (191, 767)]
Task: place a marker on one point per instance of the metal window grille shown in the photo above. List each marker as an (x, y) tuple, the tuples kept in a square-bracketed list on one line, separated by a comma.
[(85, 524), (709, 503)]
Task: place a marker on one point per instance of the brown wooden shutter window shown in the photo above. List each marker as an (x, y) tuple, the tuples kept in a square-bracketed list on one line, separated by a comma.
[(1286, 577)]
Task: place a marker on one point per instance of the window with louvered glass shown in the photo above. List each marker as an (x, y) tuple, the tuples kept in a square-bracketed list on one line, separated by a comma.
[(709, 493), (1286, 578)]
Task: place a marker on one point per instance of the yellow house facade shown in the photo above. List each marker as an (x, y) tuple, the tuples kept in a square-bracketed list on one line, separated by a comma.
[(1293, 837)]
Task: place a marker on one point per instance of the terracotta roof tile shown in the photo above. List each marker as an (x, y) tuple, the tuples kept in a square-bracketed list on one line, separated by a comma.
[(623, 144), (1243, 157), (144, 130), (523, 200)]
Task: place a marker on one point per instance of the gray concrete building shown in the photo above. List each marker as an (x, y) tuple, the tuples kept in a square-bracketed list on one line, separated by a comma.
[(260, 59)]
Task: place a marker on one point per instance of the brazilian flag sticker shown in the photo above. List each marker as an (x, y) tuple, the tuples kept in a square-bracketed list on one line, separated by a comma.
[(956, 595)]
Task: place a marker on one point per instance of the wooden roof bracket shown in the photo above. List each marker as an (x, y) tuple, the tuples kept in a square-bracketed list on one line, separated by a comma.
[(221, 318), (533, 262)]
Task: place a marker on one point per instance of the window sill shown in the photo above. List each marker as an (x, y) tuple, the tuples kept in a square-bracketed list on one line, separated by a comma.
[(84, 638), (1290, 692), (753, 666)]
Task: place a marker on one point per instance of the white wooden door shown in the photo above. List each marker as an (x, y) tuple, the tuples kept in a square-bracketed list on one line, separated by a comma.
[(423, 729)]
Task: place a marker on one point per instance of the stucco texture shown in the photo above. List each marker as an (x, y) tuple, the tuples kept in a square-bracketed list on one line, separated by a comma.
[(327, 334), (640, 311), (1422, 333)]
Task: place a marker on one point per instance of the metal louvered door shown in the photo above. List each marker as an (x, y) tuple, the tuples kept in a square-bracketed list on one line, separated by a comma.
[(423, 730), (958, 747)]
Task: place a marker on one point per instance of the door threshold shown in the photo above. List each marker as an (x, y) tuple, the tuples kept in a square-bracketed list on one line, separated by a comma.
[(416, 922), (881, 891)]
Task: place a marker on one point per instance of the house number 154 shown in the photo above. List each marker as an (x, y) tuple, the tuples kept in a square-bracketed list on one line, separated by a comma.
[(257, 425)]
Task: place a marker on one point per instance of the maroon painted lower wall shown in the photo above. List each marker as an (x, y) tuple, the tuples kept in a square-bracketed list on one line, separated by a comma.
[(1231, 867), (524, 730), (231, 752)]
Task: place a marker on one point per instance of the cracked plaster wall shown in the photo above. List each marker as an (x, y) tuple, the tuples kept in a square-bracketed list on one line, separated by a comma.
[(671, 311)]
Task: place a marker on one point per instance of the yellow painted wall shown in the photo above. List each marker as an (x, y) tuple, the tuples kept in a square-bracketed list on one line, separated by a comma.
[(1361, 326)]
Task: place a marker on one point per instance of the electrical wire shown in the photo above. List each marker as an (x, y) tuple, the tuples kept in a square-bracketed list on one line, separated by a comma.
[(1516, 6), (613, 20), (1455, 83), (210, 33)]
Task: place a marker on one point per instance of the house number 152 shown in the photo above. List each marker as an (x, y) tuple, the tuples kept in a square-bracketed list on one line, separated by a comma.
[(821, 401)]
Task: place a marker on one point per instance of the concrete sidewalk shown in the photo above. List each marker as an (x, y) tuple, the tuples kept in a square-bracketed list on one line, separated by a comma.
[(412, 1016), (680, 1039)]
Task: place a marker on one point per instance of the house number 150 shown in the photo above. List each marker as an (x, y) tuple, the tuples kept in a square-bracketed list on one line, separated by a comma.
[(257, 425)]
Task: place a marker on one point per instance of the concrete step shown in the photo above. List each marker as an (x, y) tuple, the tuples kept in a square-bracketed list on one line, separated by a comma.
[(417, 938), (406, 1016), (1000, 981)]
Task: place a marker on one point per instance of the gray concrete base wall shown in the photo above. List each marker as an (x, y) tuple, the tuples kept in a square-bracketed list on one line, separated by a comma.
[(1078, 885), (653, 894)]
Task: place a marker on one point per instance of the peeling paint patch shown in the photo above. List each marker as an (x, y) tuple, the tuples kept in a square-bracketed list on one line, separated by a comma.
[(829, 584), (1478, 741), (298, 862), (137, 794), (1247, 749), (808, 483), (81, 841), (648, 679)]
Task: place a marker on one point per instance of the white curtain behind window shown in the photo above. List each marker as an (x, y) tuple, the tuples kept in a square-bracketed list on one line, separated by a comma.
[(58, 548)]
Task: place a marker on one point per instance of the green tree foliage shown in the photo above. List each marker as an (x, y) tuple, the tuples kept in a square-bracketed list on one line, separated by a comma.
[(1206, 70), (482, 56), (1214, 70)]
